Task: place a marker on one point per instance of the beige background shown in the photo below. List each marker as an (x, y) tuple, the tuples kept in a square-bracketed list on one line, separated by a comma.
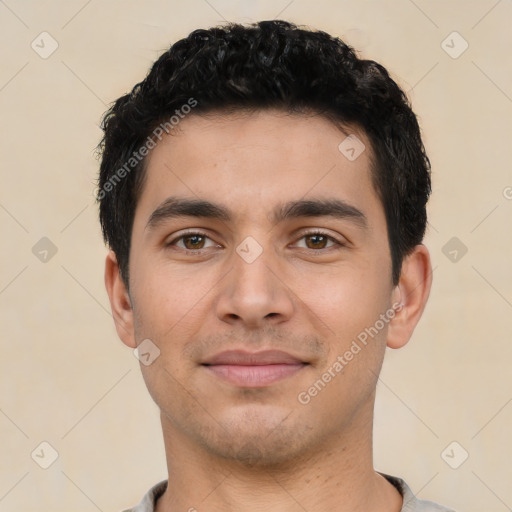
[(66, 378)]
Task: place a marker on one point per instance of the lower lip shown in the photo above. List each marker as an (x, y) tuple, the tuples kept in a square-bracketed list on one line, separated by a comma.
[(254, 376)]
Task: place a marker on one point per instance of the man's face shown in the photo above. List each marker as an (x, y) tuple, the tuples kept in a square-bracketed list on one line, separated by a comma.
[(302, 282)]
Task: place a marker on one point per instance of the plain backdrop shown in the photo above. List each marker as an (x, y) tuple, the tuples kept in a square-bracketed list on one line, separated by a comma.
[(67, 380)]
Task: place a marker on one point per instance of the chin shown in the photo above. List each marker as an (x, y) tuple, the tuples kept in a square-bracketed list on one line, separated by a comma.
[(260, 439)]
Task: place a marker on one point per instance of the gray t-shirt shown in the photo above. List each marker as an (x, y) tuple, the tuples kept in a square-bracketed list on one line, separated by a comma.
[(411, 503)]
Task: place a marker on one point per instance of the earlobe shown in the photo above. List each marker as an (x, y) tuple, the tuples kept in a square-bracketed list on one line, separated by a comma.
[(410, 296), (120, 301)]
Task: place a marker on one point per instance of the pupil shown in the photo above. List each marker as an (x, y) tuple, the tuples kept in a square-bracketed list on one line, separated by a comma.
[(194, 240), (317, 240)]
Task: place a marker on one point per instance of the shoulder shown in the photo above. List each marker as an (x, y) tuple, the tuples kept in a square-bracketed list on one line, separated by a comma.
[(147, 503), (410, 502)]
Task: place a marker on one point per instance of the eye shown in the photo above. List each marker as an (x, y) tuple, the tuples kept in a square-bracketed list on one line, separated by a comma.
[(319, 240), (192, 241), (197, 241)]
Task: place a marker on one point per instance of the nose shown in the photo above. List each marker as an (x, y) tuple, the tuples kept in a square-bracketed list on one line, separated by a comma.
[(254, 294)]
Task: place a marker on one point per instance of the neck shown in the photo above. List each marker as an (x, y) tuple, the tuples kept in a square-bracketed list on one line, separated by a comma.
[(336, 475)]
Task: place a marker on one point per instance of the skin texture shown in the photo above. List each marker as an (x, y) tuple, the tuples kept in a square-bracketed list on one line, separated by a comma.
[(237, 448)]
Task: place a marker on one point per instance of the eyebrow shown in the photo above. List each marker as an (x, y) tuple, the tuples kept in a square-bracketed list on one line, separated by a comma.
[(174, 207)]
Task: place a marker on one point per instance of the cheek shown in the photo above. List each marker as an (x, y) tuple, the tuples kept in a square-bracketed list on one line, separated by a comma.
[(167, 298), (167, 310), (351, 308), (346, 299), (350, 305)]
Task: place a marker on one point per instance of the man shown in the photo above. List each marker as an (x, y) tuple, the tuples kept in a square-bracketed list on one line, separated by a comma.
[(263, 195)]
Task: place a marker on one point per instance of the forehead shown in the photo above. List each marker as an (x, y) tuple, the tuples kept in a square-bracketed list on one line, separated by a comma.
[(253, 161)]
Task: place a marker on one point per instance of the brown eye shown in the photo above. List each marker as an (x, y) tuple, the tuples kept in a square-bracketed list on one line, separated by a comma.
[(316, 241), (193, 241)]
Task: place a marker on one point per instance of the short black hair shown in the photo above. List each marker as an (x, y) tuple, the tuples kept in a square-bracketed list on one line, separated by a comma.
[(268, 64)]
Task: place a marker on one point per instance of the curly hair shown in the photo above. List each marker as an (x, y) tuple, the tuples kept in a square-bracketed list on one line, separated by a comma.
[(269, 64)]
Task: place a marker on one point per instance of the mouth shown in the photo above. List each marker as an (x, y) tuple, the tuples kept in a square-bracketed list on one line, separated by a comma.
[(253, 370)]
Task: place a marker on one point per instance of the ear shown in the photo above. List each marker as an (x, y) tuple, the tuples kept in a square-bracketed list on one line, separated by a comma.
[(410, 296), (120, 301)]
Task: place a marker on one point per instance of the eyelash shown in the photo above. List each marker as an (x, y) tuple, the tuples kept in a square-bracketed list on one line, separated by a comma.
[(303, 235)]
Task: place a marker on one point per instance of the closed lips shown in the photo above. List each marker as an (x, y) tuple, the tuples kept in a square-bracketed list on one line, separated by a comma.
[(243, 358)]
